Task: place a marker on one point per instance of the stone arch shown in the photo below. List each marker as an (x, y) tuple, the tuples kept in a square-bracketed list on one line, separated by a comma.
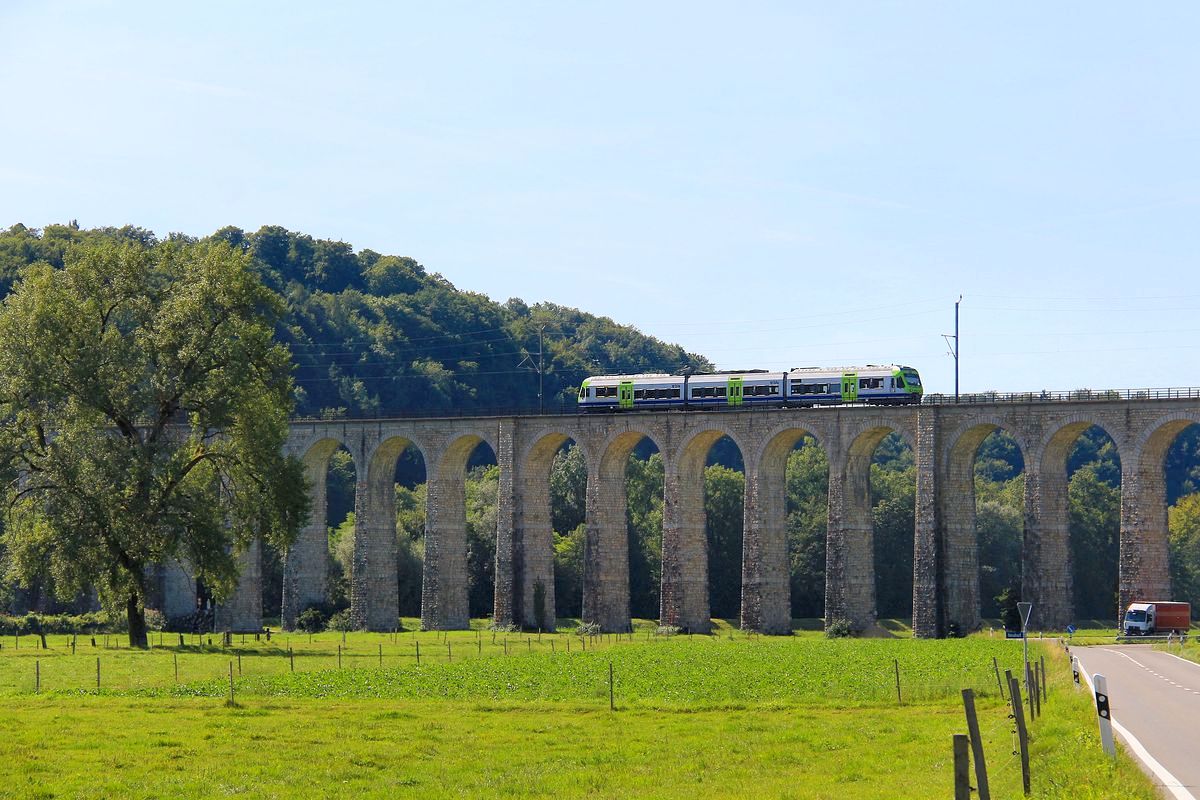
[(960, 543), (766, 578), (1145, 557), (685, 601), (374, 587), (850, 545), (444, 581), (535, 533), (1047, 578), (306, 562), (606, 550)]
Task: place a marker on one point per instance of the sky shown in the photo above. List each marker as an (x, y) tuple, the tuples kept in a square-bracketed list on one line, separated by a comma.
[(772, 185)]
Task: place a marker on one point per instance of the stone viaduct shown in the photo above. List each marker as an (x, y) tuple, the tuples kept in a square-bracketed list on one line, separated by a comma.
[(944, 439)]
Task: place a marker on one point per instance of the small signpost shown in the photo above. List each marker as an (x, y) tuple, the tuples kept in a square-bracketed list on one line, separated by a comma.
[(1071, 631), (1025, 609)]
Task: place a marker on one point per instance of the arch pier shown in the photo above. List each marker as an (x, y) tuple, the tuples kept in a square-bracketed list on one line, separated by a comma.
[(944, 440)]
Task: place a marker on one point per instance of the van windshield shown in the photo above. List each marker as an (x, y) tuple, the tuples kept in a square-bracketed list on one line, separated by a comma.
[(1135, 615)]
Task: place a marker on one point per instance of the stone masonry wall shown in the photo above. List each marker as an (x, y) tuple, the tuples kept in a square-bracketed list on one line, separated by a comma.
[(945, 439)]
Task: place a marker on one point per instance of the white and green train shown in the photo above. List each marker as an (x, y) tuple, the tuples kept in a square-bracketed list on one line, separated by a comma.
[(810, 386)]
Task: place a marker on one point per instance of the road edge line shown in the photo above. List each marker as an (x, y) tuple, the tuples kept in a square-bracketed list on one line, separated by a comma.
[(1168, 781), (1178, 658)]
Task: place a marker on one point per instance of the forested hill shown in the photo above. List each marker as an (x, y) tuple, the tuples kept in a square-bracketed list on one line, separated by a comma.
[(378, 335)]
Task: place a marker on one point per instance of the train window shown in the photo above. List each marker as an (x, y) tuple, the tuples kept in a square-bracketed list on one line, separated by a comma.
[(720, 392), (797, 387)]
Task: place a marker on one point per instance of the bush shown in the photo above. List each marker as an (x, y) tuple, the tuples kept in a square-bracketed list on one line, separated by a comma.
[(340, 621), (505, 628), (94, 622), (311, 620), (668, 630), (155, 620), (839, 629), (588, 629)]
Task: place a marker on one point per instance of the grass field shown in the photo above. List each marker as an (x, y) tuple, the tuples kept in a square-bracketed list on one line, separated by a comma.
[(720, 716)]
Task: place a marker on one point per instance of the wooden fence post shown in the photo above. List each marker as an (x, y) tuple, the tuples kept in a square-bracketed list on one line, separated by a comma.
[(899, 700), (611, 702), (981, 778), (996, 667), (962, 768), (1018, 714)]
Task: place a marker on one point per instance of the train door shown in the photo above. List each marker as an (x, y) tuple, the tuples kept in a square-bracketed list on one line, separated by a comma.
[(734, 392), (625, 394), (849, 387)]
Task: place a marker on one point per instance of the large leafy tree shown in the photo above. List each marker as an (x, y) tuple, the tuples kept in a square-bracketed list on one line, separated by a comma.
[(143, 409)]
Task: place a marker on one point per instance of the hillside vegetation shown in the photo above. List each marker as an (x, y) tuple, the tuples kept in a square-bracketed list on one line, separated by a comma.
[(375, 334)]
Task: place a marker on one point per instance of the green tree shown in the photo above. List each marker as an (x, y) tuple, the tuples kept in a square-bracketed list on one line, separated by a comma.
[(1184, 524), (143, 410), (724, 492), (410, 541), (807, 514), (482, 487), (1095, 514), (568, 573), (893, 494), (644, 515), (568, 490)]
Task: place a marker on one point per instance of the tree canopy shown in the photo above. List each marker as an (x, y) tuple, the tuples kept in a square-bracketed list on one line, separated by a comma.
[(143, 409)]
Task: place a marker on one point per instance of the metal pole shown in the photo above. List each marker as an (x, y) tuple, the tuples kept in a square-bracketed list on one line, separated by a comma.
[(540, 351), (956, 347)]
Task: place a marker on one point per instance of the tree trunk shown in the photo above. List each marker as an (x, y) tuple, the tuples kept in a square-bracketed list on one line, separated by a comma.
[(137, 622)]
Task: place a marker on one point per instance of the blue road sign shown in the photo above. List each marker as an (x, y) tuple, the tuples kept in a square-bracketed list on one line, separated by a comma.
[(1012, 634), (1070, 629)]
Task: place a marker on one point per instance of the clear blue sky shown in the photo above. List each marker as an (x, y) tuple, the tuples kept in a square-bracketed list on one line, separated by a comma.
[(770, 184)]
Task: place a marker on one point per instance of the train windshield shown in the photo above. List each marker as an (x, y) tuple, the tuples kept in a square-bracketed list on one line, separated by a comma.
[(912, 378)]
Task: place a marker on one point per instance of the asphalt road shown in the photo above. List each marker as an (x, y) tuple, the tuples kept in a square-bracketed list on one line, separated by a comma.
[(1156, 697)]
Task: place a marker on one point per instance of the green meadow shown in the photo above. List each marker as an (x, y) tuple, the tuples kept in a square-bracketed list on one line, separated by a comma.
[(520, 715)]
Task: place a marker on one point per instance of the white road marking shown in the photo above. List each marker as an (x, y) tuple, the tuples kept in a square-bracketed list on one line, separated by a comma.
[(1169, 781), (1152, 672), (1179, 658)]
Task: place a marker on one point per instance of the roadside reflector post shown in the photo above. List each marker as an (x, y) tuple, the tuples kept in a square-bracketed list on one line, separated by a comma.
[(1104, 714)]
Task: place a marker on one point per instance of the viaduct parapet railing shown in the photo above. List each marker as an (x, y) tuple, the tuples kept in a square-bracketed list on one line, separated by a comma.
[(944, 436)]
